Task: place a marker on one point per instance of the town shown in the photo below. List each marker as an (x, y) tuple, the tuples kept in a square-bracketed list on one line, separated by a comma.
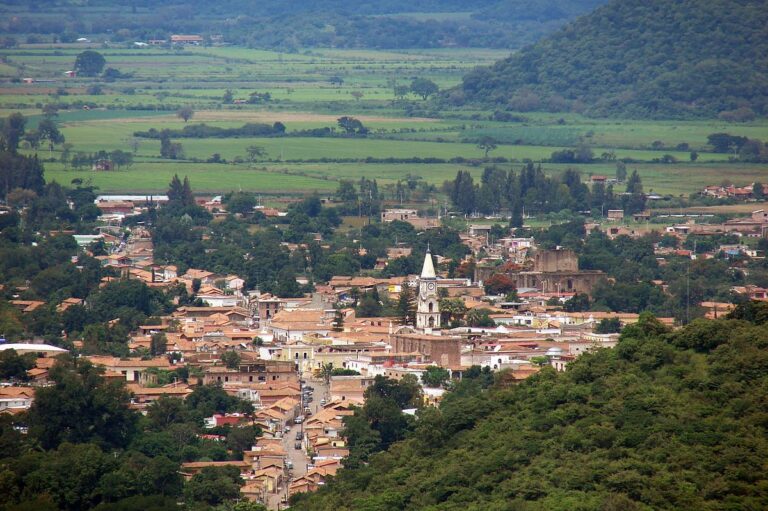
[(303, 363), (443, 255)]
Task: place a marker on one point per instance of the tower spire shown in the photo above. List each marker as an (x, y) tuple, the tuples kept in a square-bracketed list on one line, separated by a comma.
[(428, 270)]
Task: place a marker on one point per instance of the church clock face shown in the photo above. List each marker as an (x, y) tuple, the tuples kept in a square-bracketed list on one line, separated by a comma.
[(431, 286)]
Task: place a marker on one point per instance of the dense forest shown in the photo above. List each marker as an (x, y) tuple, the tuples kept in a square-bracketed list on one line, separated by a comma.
[(666, 420), (291, 25), (658, 58)]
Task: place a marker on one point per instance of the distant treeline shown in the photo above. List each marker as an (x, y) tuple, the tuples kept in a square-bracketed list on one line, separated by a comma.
[(287, 24), (204, 131)]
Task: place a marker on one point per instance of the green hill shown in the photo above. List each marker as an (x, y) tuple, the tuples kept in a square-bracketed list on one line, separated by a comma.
[(663, 421), (656, 58)]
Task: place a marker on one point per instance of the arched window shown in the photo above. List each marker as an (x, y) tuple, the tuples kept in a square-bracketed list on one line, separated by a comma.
[(431, 322), (431, 305)]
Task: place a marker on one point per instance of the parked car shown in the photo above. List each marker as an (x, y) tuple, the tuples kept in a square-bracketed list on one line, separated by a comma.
[(297, 445), (299, 419), (322, 402), (286, 429), (299, 436)]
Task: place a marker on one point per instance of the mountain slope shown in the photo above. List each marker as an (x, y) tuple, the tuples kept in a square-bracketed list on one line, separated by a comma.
[(663, 421), (654, 58)]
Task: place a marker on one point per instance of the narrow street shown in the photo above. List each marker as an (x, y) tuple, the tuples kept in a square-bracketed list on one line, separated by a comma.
[(298, 457)]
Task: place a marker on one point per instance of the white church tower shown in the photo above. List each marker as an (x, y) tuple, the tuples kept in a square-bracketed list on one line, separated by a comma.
[(428, 310)]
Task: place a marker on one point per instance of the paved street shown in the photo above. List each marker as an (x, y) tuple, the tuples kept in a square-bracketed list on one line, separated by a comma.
[(299, 457)]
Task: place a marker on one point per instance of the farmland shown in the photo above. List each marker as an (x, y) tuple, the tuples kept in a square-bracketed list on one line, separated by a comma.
[(310, 90)]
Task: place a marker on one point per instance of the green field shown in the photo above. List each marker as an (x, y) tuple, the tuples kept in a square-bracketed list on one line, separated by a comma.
[(303, 97)]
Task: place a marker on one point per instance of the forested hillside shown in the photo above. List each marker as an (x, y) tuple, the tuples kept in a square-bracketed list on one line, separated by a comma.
[(643, 59), (666, 420), (291, 25)]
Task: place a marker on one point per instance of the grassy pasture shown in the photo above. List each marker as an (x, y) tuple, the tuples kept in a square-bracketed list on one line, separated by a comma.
[(303, 98)]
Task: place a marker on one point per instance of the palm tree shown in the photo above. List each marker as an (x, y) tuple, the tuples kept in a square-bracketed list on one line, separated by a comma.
[(325, 372)]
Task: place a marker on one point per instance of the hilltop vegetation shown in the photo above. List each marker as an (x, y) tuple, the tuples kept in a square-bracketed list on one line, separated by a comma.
[(288, 24), (663, 421), (642, 59)]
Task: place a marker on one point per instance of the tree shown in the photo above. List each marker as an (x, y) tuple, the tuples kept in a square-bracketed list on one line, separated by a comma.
[(231, 359), (578, 303), (406, 306), (81, 407), (462, 191), (358, 95), (452, 311), (424, 87), (185, 113), (346, 191), (168, 149), (157, 344), (401, 91), (435, 376), (241, 438), (726, 143), (351, 126), (214, 485), (338, 321), (326, 371), (228, 97), (180, 192), (499, 284), (758, 191), (15, 366), (694, 156), (487, 144), (621, 171), (89, 63), (336, 80), (70, 475), (12, 131), (255, 152), (47, 130), (50, 110), (480, 318), (241, 202), (608, 326)]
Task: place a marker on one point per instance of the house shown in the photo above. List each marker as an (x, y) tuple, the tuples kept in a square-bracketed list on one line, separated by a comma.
[(252, 371), (191, 468), (134, 370), (642, 216), (16, 398), (479, 229), (615, 214), (293, 325), (401, 215), (27, 306), (143, 396), (349, 388), (67, 303), (205, 277), (103, 164), (194, 40)]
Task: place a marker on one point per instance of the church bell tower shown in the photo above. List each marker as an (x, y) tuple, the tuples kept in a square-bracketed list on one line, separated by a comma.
[(428, 310)]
